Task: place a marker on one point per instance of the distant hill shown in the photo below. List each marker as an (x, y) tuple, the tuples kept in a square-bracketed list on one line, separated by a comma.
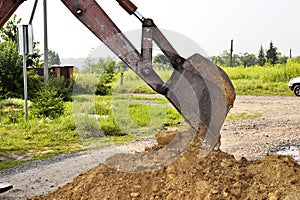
[(183, 45), (77, 62)]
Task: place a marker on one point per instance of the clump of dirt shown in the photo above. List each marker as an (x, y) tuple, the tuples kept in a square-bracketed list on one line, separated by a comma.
[(217, 176)]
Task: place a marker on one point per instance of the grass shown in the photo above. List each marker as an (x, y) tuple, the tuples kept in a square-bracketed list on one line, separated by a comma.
[(263, 81), (241, 116), (126, 120), (258, 81), (134, 84)]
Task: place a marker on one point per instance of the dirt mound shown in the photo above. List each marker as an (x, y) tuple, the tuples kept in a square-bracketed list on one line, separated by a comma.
[(217, 176)]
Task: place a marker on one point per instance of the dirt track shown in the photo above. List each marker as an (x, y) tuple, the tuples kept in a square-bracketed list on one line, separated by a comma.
[(276, 128)]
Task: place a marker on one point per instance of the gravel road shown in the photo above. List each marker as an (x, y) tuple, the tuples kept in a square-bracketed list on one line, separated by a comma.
[(275, 130), (40, 177)]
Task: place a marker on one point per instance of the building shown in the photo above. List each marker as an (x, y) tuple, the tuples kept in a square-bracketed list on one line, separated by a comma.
[(65, 71)]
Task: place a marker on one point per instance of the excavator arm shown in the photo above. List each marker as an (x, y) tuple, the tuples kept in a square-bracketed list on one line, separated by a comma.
[(7, 8), (198, 89)]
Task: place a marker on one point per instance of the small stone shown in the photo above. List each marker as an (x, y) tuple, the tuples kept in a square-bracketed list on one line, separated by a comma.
[(272, 196), (223, 164), (225, 193), (237, 185), (137, 187), (155, 187), (163, 138), (135, 194), (215, 191)]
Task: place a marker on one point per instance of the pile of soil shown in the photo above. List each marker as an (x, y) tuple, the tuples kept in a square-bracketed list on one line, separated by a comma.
[(216, 176)]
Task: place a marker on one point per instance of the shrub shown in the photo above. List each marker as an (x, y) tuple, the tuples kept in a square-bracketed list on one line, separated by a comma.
[(34, 82), (11, 71), (64, 87), (47, 102), (107, 76)]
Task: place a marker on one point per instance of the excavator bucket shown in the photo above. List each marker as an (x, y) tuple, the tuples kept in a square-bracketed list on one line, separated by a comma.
[(203, 94)]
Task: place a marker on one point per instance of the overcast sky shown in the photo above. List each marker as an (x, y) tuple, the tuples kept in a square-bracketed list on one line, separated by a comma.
[(209, 23)]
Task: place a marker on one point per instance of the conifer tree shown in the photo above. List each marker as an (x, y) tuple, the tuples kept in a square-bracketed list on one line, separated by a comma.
[(271, 56), (261, 61)]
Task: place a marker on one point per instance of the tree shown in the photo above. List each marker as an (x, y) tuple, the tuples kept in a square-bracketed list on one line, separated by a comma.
[(122, 66), (34, 60), (90, 66), (104, 70), (10, 33), (271, 56), (11, 71), (218, 60), (47, 102), (282, 59), (261, 61), (10, 30), (248, 59), (11, 64), (161, 61), (53, 58), (107, 69), (224, 59)]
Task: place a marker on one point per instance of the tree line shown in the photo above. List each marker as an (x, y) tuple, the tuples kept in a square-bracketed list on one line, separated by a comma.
[(268, 57), (271, 56)]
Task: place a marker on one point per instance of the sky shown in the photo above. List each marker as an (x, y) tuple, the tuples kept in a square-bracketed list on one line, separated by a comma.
[(211, 24)]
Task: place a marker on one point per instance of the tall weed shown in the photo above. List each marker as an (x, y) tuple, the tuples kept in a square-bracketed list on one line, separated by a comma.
[(267, 80)]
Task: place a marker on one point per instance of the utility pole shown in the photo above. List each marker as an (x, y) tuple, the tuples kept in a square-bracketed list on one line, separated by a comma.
[(290, 53), (46, 69), (231, 51)]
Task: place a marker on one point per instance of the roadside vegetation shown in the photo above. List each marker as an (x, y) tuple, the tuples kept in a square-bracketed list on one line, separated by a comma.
[(256, 80), (264, 81)]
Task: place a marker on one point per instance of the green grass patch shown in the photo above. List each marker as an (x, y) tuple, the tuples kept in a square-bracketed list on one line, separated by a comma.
[(261, 81), (132, 83), (36, 140), (154, 99), (241, 116), (261, 88), (258, 81), (121, 118)]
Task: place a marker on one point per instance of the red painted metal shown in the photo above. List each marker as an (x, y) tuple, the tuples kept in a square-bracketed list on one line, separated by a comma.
[(7, 8), (98, 22), (128, 6)]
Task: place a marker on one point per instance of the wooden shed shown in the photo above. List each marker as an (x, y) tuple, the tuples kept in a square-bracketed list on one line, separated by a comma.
[(65, 71), (59, 71)]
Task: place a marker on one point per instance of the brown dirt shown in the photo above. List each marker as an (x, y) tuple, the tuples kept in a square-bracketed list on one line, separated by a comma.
[(217, 176)]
